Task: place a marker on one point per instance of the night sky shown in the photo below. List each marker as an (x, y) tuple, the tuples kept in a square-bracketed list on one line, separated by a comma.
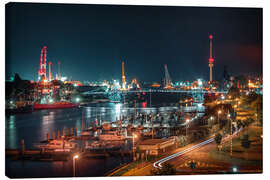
[(92, 40)]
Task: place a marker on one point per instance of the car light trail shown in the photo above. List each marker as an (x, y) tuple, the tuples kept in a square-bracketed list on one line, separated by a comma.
[(158, 164)]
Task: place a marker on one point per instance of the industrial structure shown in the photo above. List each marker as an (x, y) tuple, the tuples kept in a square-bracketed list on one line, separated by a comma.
[(50, 71), (211, 60), (42, 65), (134, 84), (167, 80), (123, 76)]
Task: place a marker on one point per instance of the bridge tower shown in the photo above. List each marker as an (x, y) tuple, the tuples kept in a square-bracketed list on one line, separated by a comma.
[(211, 60), (123, 76), (167, 80)]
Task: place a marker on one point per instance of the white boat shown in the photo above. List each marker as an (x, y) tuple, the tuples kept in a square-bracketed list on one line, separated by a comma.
[(165, 125), (111, 136), (59, 144)]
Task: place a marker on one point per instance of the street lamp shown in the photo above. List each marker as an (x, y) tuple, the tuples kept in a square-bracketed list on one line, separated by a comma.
[(133, 138), (187, 125), (229, 116), (74, 164), (234, 169), (219, 112)]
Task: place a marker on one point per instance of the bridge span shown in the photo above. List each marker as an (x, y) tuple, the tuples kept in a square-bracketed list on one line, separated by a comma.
[(157, 91)]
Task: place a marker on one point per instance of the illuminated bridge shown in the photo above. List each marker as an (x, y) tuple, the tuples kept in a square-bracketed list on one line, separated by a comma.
[(159, 91)]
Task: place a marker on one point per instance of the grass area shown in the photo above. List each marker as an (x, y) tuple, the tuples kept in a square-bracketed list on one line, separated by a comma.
[(125, 169), (251, 156)]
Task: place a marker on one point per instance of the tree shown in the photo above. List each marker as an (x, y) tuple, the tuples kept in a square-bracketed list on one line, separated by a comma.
[(242, 81), (167, 169), (239, 124), (218, 139), (209, 99), (245, 143), (234, 92), (258, 107), (182, 140)]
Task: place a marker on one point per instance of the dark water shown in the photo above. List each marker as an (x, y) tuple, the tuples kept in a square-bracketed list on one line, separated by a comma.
[(33, 129), (84, 167), (34, 126)]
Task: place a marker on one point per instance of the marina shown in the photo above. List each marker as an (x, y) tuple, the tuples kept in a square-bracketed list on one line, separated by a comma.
[(95, 131)]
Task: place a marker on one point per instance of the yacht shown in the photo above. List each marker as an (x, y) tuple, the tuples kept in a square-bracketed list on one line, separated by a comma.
[(59, 144), (112, 136)]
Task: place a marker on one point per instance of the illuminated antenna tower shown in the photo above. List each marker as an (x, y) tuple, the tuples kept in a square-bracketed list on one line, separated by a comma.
[(123, 76), (211, 60), (167, 80)]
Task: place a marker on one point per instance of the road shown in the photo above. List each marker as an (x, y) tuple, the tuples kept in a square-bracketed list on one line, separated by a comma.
[(182, 156)]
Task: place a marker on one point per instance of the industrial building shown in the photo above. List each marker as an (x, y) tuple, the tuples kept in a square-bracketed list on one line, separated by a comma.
[(156, 147)]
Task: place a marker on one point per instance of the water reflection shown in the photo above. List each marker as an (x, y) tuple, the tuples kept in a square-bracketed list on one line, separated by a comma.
[(11, 132), (34, 127)]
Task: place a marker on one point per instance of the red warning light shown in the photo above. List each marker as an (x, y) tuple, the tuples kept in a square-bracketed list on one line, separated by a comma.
[(144, 104), (211, 60), (211, 36)]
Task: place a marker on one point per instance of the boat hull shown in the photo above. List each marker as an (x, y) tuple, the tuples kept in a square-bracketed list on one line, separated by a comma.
[(55, 106)]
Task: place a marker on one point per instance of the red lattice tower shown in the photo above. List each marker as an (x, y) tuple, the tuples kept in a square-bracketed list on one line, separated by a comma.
[(42, 65)]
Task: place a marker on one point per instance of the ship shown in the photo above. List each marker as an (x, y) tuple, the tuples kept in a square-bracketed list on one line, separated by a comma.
[(56, 105)]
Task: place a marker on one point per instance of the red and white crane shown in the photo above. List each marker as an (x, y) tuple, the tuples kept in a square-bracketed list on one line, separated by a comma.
[(42, 65)]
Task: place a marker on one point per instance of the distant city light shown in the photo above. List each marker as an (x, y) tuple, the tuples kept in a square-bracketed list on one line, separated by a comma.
[(51, 100), (77, 99), (200, 82), (76, 156), (63, 79), (235, 169)]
